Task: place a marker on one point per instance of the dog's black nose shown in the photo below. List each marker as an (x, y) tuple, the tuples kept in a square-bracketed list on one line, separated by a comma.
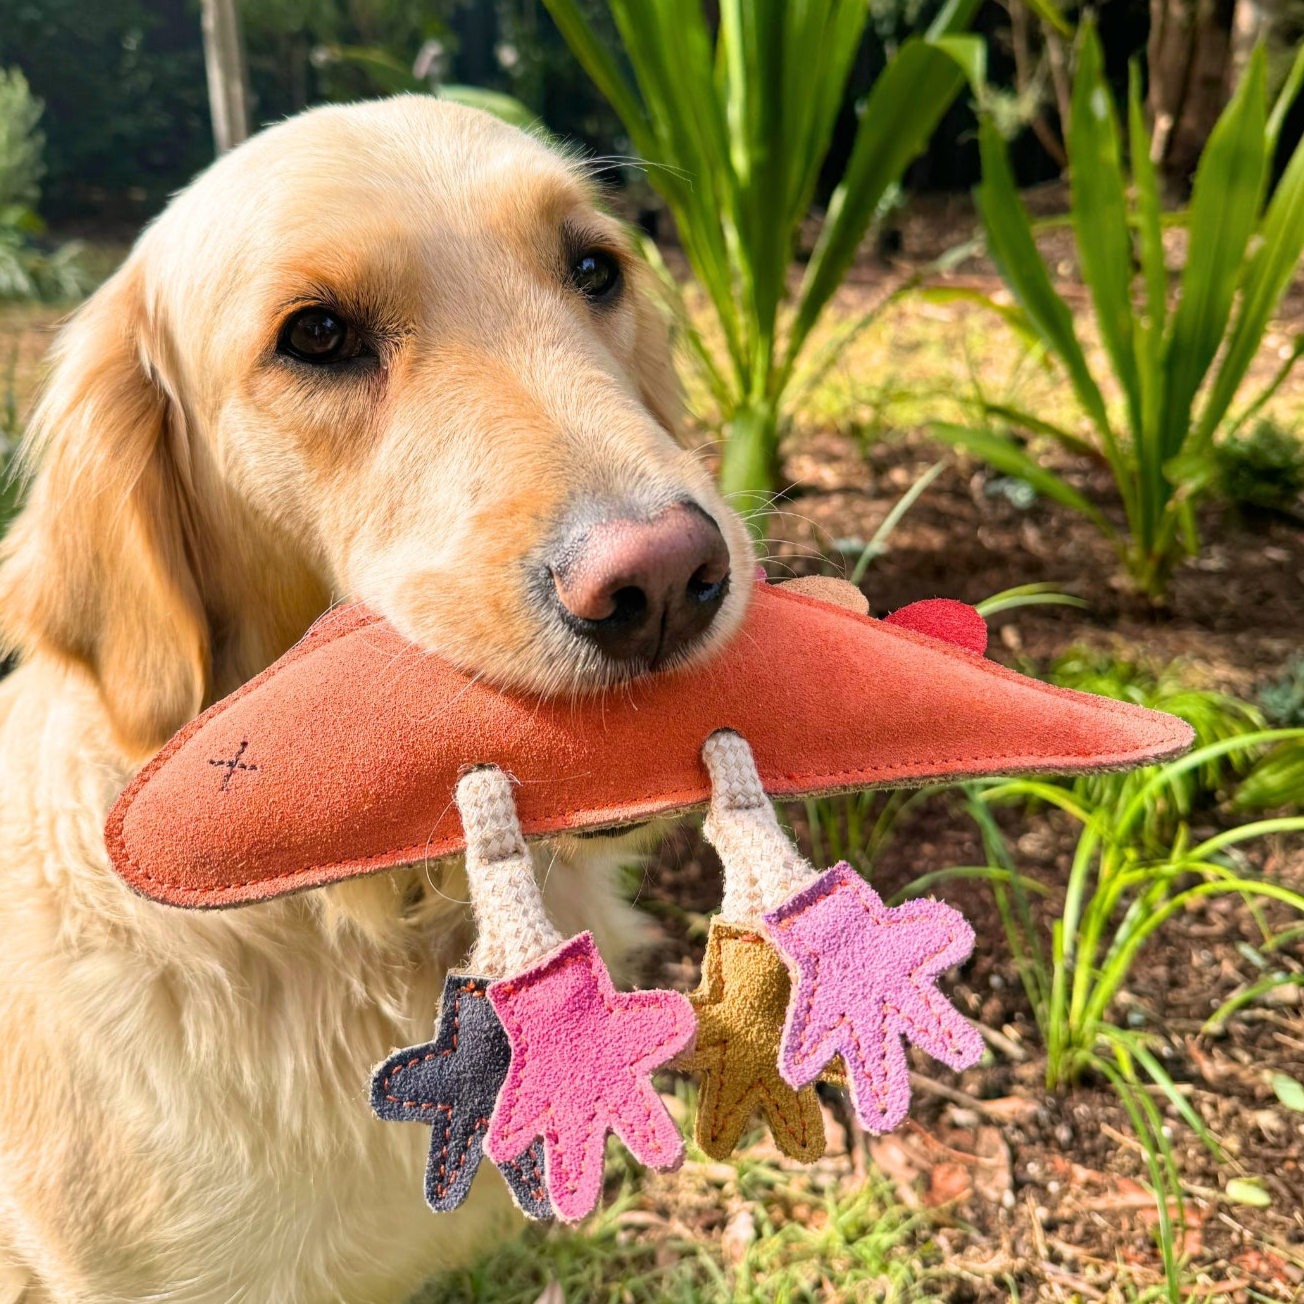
[(641, 590)]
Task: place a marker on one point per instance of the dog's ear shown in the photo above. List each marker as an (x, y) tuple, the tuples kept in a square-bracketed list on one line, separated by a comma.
[(100, 566)]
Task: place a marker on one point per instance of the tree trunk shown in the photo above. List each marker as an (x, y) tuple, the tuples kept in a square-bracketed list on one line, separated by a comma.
[(228, 77), (1190, 63)]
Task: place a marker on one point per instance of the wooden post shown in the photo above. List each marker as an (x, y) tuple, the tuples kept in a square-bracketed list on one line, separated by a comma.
[(228, 79)]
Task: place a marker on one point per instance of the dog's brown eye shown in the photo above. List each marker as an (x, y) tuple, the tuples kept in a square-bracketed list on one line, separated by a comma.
[(596, 275), (319, 335)]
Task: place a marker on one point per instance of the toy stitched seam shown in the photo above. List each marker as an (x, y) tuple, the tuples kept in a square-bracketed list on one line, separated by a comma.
[(745, 1105), (713, 996), (887, 1004), (533, 1181), (808, 1053), (234, 764), (465, 989), (564, 818), (441, 1187)]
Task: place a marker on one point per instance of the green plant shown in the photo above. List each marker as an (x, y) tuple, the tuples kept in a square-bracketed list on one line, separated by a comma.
[(1264, 468), (849, 1244), (737, 130), (10, 436), (1178, 367), (1121, 891), (26, 270), (1277, 778), (126, 117), (21, 143), (1283, 701)]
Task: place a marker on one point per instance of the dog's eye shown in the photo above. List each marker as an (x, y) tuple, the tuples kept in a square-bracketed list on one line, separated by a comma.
[(596, 275), (319, 335)]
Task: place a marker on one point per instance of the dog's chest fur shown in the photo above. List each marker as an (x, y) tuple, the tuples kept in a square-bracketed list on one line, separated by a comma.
[(186, 1094)]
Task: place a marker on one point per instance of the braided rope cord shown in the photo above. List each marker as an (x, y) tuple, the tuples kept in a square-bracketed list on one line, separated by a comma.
[(762, 868), (513, 928)]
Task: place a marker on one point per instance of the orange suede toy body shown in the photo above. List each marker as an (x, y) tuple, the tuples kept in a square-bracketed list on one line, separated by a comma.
[(341, 759)]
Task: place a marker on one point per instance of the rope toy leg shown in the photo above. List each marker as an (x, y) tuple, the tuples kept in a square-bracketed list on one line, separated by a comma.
[(745, 988), (860, 977), (762, 867), (581, 1054), (513, 929), (452, 1083)]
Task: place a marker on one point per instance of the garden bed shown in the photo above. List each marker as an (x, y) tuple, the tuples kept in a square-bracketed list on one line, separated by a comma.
[(1048, 1192)]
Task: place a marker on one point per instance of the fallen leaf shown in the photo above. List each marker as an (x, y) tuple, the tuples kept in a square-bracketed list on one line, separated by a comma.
[(1245, 1190), (948, 1184), (1288, 1091)]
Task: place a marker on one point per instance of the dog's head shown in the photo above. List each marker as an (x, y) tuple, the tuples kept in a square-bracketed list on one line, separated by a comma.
[(393, 352)]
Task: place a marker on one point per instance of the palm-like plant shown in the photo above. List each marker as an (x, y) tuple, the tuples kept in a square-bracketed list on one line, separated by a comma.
[(1177, 367), (737, 127)]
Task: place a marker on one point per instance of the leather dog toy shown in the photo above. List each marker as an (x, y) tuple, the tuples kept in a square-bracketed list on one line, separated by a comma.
[(342, 758), (357, 752)]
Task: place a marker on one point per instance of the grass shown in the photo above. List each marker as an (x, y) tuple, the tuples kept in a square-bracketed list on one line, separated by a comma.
[(790, 1237), (1121, 890)]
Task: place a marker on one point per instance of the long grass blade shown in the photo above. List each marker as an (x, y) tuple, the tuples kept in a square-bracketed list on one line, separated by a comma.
[(1099, 208), (1150, 241), (1007, 456), (1224, 209), (906, 104), (1163, 775), (878, 544), (1217, 1021), (594, 58), (1271, 270), (1011, 244), (1286, 97)]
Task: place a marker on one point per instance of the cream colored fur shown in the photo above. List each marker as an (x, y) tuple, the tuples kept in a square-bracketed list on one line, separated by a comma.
[(185, 1111)]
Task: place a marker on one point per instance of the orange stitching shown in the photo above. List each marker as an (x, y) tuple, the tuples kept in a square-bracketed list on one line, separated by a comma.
[(568, 818), (747, 1101), (465, 989), (481, 1124), (745, 1105), (534, 1191)]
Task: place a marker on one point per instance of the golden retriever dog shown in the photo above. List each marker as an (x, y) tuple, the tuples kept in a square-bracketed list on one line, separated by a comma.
[(392, 352)]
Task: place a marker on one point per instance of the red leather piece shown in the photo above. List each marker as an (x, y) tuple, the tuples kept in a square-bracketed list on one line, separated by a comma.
[(944, 618)]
